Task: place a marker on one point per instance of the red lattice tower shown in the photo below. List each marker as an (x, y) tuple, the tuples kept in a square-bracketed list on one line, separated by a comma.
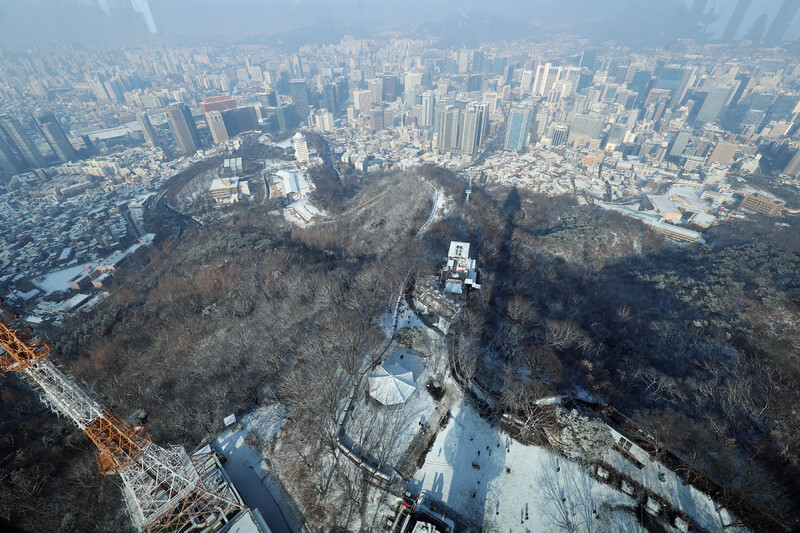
[(165, 489)]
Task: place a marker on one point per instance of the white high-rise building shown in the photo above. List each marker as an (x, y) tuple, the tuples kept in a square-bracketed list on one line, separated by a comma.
[(300, 148), (362, 100), (546, 76), (412, 80), (428, 108), (327, 121)]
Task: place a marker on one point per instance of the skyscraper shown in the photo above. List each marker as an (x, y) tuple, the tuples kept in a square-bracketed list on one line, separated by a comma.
[(300, 148), (20, 142), (519, 123), (362, 100), (375, 87), (268, 99), (675, 80), (781, 22), (473, 128), (148, 131), (714, 104), (390, 88), (217, 126), (376, 121), (183, 128), (736, 20), (680, 142), (299, 93), (428, 107), (10, 164), (447, 127), (287, 117), (51, 129), (329, 100)]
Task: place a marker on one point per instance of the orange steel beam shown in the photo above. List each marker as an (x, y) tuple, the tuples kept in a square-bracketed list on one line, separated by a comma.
[(119, 445), (21, 349)]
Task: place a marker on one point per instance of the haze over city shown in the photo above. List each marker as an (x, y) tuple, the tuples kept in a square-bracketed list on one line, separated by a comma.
[(421, 266)]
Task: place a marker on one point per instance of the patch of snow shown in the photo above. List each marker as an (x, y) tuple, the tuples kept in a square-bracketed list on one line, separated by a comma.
[(57, 280), (265, 421), (495, 481)]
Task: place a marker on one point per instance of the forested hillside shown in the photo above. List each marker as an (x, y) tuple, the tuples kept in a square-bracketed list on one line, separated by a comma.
[(697, 343)]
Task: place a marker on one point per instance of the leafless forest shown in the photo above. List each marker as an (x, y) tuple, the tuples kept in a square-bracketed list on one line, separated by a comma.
[(697, 344)]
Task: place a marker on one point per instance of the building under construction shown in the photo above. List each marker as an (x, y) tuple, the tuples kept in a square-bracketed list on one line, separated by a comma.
[(164, 488)]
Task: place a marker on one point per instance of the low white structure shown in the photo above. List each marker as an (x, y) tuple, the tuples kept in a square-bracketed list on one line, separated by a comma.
[(391, 384), (228, 190), (461, 270)]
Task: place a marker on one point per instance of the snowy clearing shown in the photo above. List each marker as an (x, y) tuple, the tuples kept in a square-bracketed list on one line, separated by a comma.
[(494, 481)]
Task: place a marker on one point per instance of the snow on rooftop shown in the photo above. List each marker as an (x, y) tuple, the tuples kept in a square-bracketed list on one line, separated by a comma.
[(57, 280)]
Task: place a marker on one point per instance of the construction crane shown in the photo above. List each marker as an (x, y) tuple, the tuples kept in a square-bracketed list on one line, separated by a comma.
[(164, 489)]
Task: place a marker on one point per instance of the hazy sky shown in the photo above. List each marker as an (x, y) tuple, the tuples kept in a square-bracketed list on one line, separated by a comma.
[(29, 21)]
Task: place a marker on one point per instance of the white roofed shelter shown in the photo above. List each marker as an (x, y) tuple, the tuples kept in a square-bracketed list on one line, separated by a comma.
[(391, 384)]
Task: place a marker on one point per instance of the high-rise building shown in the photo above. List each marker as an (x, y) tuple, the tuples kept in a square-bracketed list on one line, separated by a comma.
[(300, 148), (240, 120), (327, 123), (559, 135), (299, 92), (736, 20), (268, 99), (428, 108), (287, 117), (680, 142), (546, 76), (375, 87), (376, 121), (412, 80), (473, 127), (526, 82), (584, 129), (390, 88), (148, 131), (780, 24), (10, 164), (476, 65), (18, 141), (588, 59), (463, 61), (519, 123), (183, 128), (675, 80), (217, 126), (362, 100), (447, 127), (329, 99), (716, 99), (296, 67), (51, 129)]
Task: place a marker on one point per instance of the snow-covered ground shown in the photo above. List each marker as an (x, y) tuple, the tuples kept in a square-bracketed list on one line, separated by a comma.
[(405, 316), (385, 432), (57, 280), (265, 421), (691, 501), (496, 482)]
